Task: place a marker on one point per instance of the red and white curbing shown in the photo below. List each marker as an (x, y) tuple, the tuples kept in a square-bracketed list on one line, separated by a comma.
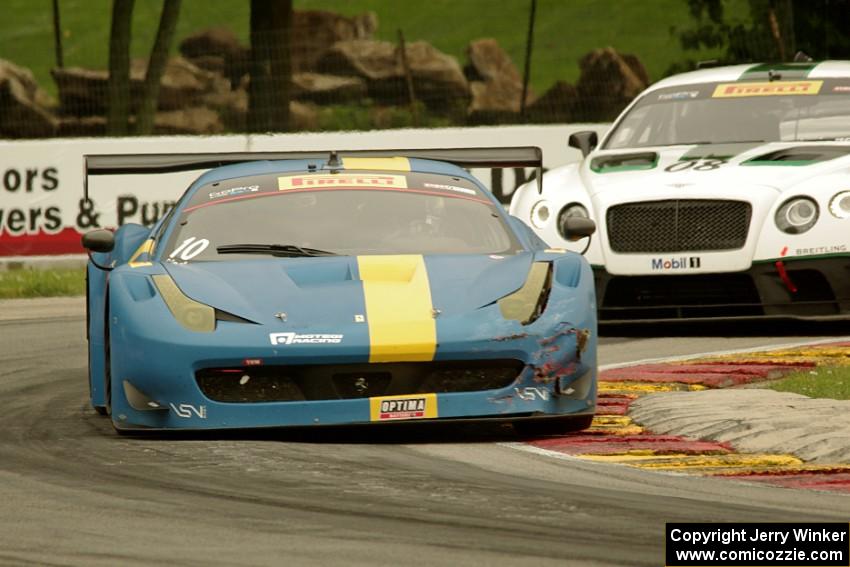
[(616, 438)]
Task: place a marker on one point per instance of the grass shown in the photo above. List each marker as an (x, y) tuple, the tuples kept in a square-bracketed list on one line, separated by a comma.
[(42, 283), (821, 382), (565, 30)]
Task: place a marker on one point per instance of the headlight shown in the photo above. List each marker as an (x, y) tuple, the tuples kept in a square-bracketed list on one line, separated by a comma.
[(839, 206), (797, 215), (572, 210), (188, 312), (528, 302), (540, 214)]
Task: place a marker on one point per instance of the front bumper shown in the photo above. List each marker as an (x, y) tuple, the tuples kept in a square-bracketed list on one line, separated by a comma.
[(557, 376), (810, 289)]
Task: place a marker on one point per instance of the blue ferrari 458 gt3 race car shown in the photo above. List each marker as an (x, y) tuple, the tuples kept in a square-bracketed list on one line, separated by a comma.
[(328, 288)]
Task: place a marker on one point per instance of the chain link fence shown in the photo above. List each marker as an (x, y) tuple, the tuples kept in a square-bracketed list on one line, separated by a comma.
[(329, 72)]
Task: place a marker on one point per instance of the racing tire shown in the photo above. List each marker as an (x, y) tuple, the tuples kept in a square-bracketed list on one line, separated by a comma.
[(552, 425)]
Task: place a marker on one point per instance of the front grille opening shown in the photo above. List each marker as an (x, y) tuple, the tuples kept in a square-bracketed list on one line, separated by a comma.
[(687, 225), (349, 381), (811, 286), (673, 297)]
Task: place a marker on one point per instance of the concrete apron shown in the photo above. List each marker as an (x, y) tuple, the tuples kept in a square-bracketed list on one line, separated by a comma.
[(693, 417)]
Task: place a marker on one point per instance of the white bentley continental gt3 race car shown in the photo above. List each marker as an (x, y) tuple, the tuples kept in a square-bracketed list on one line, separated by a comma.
[(718, 193)]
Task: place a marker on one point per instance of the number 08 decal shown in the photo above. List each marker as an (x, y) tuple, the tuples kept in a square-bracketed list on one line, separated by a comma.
[(190, 248), (696, 165)]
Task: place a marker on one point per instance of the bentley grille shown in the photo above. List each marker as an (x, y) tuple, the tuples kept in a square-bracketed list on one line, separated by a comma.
[(678, 225)]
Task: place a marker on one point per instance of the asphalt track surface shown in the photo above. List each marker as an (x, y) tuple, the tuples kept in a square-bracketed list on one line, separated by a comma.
[(72, 492)]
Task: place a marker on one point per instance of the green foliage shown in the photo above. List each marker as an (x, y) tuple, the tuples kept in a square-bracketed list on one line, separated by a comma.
[(42, 283), (775, 30), (821, 382)]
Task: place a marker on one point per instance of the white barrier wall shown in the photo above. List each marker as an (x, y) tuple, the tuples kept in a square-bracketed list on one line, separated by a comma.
[(41, 181)]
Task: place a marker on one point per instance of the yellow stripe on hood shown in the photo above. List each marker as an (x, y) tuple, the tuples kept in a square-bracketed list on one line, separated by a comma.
[(398, 308)]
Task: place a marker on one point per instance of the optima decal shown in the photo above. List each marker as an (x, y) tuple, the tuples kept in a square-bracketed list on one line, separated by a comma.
[(376, 181), (775, 88), (680, 263), (421, 406), (295, 338)]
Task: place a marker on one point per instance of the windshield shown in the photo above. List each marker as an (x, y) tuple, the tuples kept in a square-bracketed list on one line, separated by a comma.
[(714, 113), (359, 213)]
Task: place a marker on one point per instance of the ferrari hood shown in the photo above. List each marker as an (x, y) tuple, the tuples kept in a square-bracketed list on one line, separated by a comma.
[(740, 165), (317, 292)]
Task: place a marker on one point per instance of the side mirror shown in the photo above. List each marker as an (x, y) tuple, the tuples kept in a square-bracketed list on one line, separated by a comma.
[(576, 228), (585, 141), (100, 240)]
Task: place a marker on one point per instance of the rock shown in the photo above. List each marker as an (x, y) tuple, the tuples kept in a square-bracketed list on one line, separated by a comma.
[(489, 62), (196, 120), (438, 80), (232, 106), (327, 89), (219, 41), (217, 50), (303, 116), (183, 83), (212, 63), (23, 112), (555, 105), (87, 126), (315, 31), (82, 92), (495, 84), (494, 102), (637, 67), (607, 84)]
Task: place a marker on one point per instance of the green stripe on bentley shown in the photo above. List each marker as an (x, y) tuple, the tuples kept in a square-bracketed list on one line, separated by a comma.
[(787, 71)]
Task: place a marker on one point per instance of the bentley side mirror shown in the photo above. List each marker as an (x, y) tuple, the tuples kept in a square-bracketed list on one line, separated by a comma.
[(576, 228), (585, 141), (100, 240)]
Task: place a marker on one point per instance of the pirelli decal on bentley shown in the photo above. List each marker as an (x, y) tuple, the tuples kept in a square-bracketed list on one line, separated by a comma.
[(356, 180), (389, 408), (775, 88)]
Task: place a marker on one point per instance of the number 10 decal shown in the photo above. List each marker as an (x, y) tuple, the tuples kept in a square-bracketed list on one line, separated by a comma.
[(190, 248)]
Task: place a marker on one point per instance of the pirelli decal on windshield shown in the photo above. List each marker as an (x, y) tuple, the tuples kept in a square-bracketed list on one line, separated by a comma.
[(356, 180), (775, 88)]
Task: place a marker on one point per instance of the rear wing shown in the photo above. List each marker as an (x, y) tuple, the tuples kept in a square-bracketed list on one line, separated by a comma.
[(126, 164)]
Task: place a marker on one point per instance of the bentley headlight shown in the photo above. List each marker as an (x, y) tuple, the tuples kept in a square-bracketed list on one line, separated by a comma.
[(839, 206), (188, 312), (540, 214), (797, 215)]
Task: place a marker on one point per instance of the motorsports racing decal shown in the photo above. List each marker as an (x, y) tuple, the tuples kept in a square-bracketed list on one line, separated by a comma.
[(233, 191), (417, 406), (680, 263), (369, 181), (775, 88), (308, 339)]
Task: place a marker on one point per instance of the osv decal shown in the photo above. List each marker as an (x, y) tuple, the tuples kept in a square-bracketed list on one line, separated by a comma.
[(187, 411)]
